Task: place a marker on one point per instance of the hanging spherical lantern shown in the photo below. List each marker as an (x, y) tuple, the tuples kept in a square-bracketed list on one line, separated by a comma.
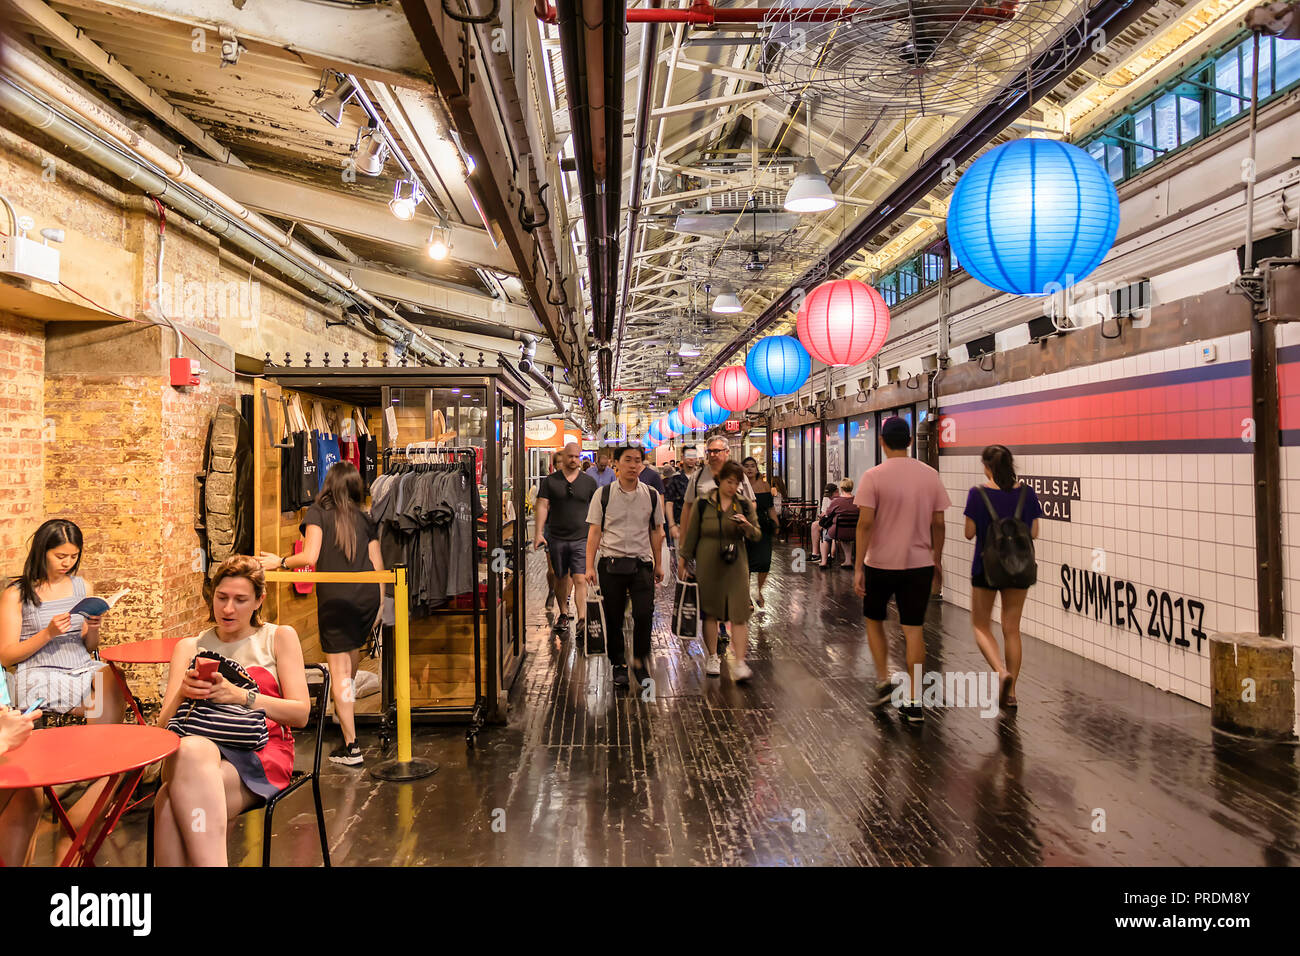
[(675, 422), (688, 416), (665, 429), (1033, 216), (654, 434), (708, 410), (843, 322), (733, 389), (778, 365)]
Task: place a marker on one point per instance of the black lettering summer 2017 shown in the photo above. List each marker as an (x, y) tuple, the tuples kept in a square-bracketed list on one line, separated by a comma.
[(1115, 601)]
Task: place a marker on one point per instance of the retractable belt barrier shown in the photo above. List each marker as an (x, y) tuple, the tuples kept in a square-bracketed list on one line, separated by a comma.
[(405, 767)]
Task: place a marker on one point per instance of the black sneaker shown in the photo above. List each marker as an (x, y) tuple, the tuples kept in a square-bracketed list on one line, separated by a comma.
[(912, 713), (580, 630), (349, 755), (562, 622), (620, 675), (884, 693)]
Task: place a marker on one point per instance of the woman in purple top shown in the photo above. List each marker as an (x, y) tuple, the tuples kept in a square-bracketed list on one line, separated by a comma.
[(1004, 490)]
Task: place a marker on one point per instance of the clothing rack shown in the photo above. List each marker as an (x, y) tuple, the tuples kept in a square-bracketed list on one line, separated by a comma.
[(466, 456)]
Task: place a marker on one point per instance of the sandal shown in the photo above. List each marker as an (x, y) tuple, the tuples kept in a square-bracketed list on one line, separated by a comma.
[(1004, 696)]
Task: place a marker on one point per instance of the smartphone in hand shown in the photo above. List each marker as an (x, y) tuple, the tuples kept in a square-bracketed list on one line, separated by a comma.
[(36, 705), (207, 668)]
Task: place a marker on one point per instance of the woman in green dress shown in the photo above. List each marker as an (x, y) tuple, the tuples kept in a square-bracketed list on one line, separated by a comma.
[(760, 552), (719, 525)]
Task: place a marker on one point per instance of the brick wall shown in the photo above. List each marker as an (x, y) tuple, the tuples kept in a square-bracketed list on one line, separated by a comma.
[(102, 470), (22, 404)]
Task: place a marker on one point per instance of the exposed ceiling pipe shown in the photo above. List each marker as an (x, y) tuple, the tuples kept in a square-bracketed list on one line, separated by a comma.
[(645, 89), (703, 14), (528, 366), (29, 109), (573, 56), (18, 62), (1058, 61)]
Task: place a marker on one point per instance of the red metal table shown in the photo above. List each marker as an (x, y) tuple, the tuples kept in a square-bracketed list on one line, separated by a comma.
[(156, 651), (63, 755)]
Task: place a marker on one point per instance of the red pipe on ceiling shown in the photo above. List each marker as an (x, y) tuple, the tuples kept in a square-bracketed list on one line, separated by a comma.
[(702, 13)]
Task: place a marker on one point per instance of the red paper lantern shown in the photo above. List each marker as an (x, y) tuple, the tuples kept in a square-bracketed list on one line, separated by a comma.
[(664, 428), (843, 322), (733, 389), (688, 415)]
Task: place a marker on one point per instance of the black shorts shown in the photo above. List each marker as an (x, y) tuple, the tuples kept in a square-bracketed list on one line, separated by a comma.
[(979, 581), (911, 586)]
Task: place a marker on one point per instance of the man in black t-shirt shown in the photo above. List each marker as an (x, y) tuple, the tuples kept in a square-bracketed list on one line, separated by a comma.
[(563, 499)]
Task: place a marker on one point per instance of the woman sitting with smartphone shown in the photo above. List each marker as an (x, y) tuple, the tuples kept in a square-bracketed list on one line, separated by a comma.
[(232, 694), (19, 809)]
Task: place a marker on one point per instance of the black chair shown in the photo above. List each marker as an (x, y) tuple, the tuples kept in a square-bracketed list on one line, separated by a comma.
[(297, 779)]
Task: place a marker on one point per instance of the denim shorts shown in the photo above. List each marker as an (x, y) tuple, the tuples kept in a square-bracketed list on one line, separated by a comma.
[(567, 557)]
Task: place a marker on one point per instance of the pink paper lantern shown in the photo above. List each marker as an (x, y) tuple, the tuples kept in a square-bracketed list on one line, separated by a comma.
[(688, 415), (843, 322), (664, 428), (733, 389)]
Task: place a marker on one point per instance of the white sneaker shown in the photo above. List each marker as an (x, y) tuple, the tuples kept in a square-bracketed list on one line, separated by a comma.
[(740, 671), (713, 666)]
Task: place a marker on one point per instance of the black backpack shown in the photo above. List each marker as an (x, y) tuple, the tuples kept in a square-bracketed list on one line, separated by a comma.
[(1008, 548)]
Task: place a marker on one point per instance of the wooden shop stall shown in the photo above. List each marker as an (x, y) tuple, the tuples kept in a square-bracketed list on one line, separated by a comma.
[(428, 421)]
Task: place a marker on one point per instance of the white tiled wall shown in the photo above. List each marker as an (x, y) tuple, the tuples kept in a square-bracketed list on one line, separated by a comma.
[(1177, 523)]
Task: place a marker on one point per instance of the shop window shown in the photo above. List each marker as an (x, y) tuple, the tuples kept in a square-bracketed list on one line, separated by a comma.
[(1286, 56)]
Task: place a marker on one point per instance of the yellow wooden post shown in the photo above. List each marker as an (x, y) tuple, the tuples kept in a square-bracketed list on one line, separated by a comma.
[(402, 666)]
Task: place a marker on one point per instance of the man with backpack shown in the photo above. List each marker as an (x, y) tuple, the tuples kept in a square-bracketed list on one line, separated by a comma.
[(900, 551), (626, 520)]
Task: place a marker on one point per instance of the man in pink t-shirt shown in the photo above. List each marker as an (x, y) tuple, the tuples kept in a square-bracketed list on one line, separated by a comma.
[(900, 535)]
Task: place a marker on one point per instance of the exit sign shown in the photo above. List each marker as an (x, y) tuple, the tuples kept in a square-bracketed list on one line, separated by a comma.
[(731, 426)]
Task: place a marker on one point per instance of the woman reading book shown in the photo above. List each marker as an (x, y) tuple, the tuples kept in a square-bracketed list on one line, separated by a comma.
[(51, 645)]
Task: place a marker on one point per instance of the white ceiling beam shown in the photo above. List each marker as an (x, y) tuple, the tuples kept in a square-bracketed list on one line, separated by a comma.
[(717, 102), (373, 41), (721, 69), (348, 214)]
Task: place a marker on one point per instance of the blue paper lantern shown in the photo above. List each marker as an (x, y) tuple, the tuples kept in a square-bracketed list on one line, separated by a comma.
[(707, 409), (675, 423), (654, 434), (778, 365), (1033, 216)]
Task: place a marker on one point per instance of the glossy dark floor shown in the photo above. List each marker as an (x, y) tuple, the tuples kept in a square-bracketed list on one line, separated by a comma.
[(795, 769)]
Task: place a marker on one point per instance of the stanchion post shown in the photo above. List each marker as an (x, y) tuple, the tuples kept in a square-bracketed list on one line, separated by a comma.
[(405, 767)]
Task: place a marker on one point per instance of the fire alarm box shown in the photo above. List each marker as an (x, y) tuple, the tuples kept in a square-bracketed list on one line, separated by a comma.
[(184, 372)]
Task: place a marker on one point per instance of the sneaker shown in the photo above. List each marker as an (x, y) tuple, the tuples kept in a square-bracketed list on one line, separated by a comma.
[(562, 622), (912, 713), (550, 600), (580, 630), (349, 755), (740, 671), (713, 666), (620, 675), (884, 693)]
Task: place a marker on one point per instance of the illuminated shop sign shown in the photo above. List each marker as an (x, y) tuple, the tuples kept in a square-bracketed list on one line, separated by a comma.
[(1054, 494), (1115, 602)]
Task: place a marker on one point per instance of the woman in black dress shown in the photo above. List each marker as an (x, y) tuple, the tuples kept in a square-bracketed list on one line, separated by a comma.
[(339, 536), (760, 552)]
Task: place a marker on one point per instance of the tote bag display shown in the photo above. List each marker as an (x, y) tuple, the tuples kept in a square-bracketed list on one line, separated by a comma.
[(686, 610), (327, 445), (297, 464), (349, 446), (595, 643)]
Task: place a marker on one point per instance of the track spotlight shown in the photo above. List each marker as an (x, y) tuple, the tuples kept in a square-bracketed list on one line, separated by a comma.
[(406, 197), (439, 246), (330, 105), (370, 151)]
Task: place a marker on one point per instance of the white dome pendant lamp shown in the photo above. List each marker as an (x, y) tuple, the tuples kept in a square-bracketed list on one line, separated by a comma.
[(809, 192)]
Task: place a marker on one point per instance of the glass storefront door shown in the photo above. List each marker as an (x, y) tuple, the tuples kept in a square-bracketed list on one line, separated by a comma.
[(794, 462)]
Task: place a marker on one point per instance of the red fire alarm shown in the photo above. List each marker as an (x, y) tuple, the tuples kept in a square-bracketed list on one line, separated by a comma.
[(184, 372)]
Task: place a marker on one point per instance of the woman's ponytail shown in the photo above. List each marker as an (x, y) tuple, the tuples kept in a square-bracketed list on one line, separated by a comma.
[(998, 460)]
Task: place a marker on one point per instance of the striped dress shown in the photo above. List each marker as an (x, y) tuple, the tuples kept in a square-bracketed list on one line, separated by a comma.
[(268, 770), (63, 671)]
